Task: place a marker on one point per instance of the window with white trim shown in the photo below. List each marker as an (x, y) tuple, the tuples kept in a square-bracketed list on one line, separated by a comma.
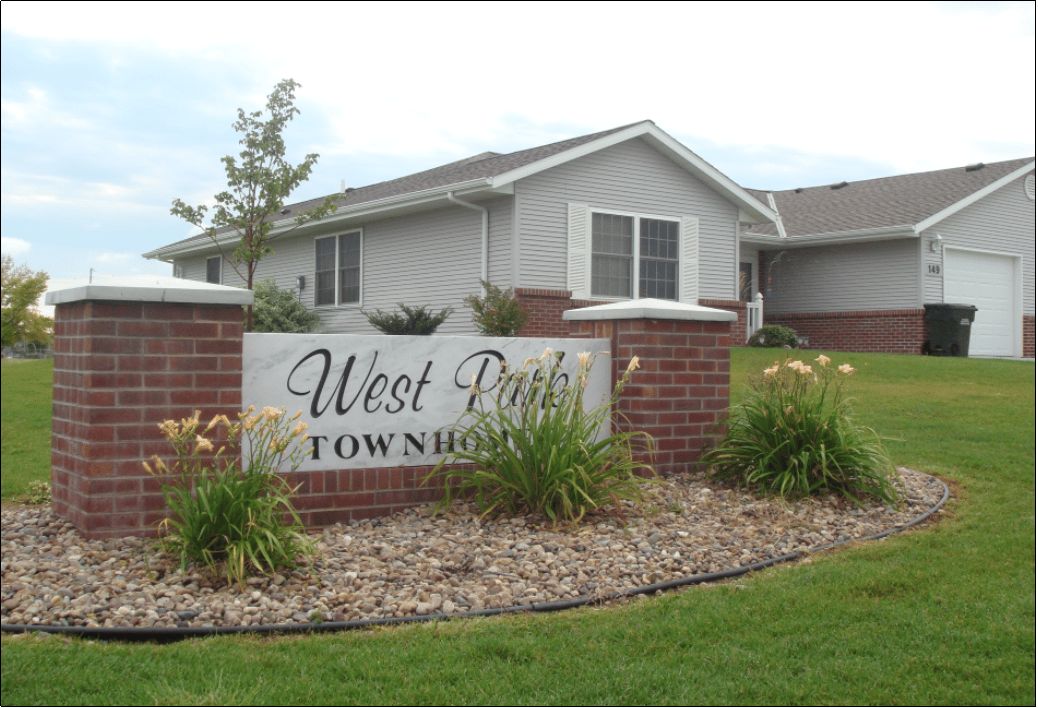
[(213, 269), (337, 269), (614, 253), (623, 255)]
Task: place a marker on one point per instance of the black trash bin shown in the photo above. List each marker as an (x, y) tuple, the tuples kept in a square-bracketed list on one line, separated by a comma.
[(948, 329)]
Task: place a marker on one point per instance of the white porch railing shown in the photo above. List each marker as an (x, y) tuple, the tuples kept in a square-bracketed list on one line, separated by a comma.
[(754, 315)]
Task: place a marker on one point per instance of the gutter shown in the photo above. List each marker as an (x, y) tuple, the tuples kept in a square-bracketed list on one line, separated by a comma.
[(884, 233), (484, 259)]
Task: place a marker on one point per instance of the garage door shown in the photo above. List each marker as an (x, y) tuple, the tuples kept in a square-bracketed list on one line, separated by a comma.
[(986, 281)]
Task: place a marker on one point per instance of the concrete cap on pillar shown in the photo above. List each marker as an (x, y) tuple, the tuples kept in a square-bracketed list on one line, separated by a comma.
[(152, 288), (649, 309)]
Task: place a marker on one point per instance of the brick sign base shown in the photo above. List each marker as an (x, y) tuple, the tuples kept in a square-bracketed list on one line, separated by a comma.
[(126, 360)]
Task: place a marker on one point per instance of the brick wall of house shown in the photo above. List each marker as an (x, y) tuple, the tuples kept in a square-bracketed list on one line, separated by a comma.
[(120, 369), (545, 308), (1029, 336), (884, 331)]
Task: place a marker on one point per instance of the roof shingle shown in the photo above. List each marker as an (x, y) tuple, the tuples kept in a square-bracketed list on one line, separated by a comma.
[(877, 203)]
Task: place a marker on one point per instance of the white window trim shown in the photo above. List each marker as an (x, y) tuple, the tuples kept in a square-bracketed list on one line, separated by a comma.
[(338, 285), (578, 272)]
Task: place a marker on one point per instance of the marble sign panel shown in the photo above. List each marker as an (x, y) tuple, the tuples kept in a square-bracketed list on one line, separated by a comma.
[(379, 401)]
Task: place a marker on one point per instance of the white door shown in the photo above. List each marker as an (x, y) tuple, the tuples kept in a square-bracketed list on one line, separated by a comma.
[(986, 281)]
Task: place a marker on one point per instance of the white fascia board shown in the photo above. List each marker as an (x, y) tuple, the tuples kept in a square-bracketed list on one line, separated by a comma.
[(885, 233), (666, 144), (344, 212), (714, 177), (976, 196)]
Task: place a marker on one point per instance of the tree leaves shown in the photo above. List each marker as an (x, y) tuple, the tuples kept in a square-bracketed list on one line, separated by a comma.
[(259, 181), (19, 319)]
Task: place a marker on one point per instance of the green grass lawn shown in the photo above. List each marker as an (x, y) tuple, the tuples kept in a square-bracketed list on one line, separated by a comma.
[(25, 415), (942, 615)]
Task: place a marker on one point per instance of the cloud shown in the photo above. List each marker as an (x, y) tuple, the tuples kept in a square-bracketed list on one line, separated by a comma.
[(13, 246), (117, 257), (28, 190)]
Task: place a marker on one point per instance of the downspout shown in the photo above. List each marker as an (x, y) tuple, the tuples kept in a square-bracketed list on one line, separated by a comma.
[(778, 221), (485, 255)]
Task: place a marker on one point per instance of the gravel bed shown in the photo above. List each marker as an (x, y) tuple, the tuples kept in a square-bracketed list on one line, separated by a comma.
[(410, 564)]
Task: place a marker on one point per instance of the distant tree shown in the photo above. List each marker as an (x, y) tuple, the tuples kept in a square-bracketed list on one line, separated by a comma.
[(20, 321), (259, 187), (498, 313), (415, 320), (278, 311)]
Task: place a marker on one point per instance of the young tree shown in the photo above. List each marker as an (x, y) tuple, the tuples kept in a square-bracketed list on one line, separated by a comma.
[(259, 186), (19, 320)]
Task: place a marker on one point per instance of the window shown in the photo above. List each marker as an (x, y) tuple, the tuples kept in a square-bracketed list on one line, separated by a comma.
[(623, 255), (337, 269), (613, 253), (212, 270)]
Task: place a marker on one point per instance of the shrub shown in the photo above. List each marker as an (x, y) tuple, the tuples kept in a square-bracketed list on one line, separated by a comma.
[(774, 336), (793, 435), (415, 320), (226, 515), (279, 311), (498, 313), (39, 492), (537, 450)]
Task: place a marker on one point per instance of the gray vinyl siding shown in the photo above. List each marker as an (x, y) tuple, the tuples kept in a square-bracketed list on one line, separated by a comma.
[(881, 275), (500, 269), (629, 177), (194, 269), (429, 258), (1002, 222)]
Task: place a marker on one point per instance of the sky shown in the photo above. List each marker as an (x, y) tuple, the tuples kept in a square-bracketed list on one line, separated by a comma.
[(110, 112)]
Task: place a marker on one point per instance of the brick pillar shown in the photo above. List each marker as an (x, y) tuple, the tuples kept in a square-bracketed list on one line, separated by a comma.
[(680, 393), (125, 359)]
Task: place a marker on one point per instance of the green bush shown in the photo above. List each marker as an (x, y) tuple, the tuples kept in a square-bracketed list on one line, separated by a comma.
[(537, 450), (39, 492), (774, 336), (279, 311), (793, 435), (415, 320), (224, 515), (498, 313)]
